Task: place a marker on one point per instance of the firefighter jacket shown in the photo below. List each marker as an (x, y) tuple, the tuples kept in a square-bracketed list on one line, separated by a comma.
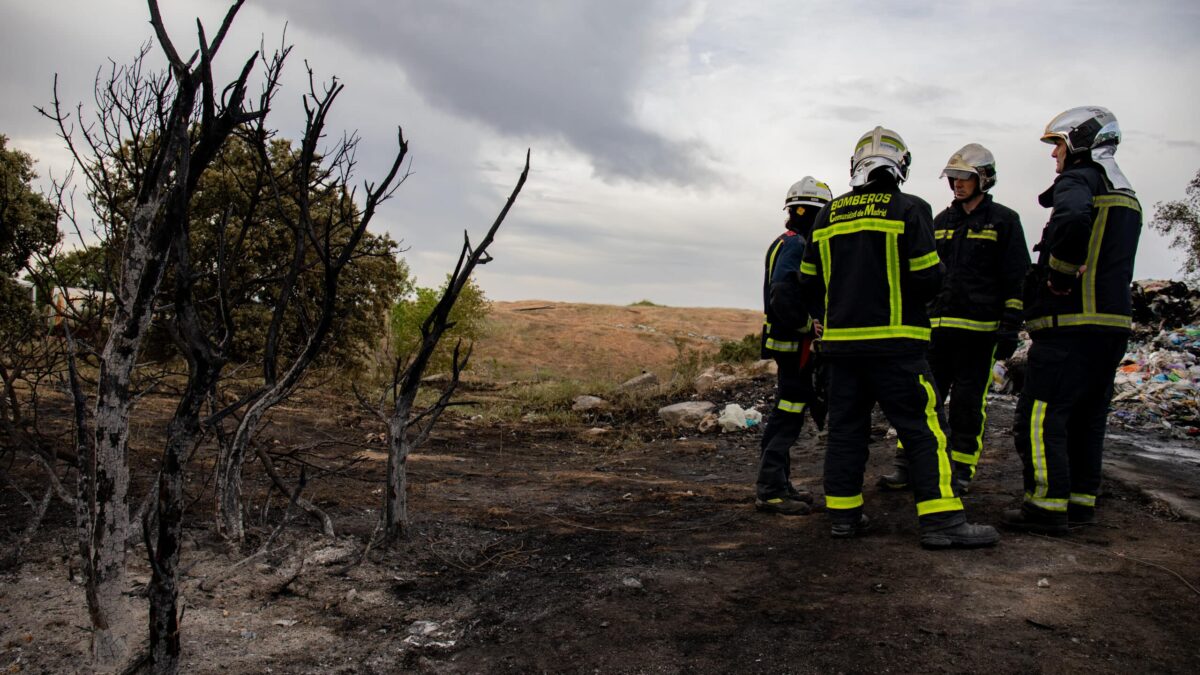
[(986, 260), (870, 270), (1087, 250), (783, 333)]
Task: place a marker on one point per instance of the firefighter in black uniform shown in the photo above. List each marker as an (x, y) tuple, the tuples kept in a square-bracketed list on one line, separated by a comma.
[(976, 316), (787, 335), (870, 270), (1077, 309)]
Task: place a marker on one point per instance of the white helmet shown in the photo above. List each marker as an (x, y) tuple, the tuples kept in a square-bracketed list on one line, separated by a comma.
[(808, 191), (879, 148), (972, 160), (1090, 129)]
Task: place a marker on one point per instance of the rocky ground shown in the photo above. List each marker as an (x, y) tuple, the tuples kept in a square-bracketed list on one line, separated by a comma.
[(539, 549)]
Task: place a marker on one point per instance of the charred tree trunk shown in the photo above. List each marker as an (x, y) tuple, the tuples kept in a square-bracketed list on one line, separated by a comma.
[(406, 381), (312, 240)]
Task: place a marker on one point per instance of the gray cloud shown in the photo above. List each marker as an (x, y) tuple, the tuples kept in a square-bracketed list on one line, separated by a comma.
[(568, 72)]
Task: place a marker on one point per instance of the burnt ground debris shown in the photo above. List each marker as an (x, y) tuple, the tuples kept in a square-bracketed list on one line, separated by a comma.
[(536, 550)]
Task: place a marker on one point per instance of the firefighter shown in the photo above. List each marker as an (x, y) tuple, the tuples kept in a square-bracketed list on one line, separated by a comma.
[(869, 272), (787, 338), (976, 315), (1077, 309)]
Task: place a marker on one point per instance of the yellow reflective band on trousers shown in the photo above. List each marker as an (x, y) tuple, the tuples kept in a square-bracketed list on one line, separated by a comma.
[(923, 262), (982, 413), (939, 506), (1014, 303), (791, 406), (782, 345), (1046, 503), (963, 324), (1082, 499), (854, 502), (1037, 451), (990, 235), (943, 459)]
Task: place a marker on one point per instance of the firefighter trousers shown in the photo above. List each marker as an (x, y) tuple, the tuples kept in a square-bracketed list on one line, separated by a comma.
[(1061, 417), (962, 361), (794, 394), (903, 386)]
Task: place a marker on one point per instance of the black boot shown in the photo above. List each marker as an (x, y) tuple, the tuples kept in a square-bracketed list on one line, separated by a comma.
[(784, 505), (850, 529), (963, 535), (898, 478), (1025, 520)]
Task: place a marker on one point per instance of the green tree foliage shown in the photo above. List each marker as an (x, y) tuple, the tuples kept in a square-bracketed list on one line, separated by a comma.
[(28, 222), (469, 317), (1181, 220), (242, 224)]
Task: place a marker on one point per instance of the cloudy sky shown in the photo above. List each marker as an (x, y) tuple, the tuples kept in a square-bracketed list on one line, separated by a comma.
[(664, 134)]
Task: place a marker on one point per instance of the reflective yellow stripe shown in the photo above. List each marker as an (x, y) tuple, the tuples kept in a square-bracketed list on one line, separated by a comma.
[(1013, 303), (939, 506), (1088, 289), (892, 253), (782, 346), (808, 268), (1046, 503), (943, 234), (1082, 499), (874, 333), (1063, 266), (923, 262), (771, 259), (964, 458), (791, 406), (1109, 201), (990, 235), (823, 249), (1060, 320), (1037, 446), (983, 408), (854, 502), (935, 426), (860, 225), (964, 324)]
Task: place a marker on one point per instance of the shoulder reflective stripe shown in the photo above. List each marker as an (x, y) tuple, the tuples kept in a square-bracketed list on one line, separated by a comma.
[(990, 235), (964, 324), (859, 225), (1037, 446), (771, 258), (923, 262), (1083, 499), (808, 268), (892, 253), (943, 234), (874, 333), (1013, 303), (1046, 503), (1108, 201), (939, 506), (782, 346), (945, 473), (1062, 266), (854, 502), (1063, 320), (791, 406)]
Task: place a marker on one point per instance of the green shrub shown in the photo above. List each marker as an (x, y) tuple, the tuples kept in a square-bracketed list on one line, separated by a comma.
[(468, 317), (748, 349)]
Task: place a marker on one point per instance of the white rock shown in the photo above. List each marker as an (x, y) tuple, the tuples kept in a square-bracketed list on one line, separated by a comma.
[(585, 403), (686, 414)]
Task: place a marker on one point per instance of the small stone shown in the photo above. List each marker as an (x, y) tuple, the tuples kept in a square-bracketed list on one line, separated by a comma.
[(631, 582), (1043, 583)]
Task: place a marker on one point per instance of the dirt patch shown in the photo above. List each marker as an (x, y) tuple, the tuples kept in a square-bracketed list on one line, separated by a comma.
[(534, 550)]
